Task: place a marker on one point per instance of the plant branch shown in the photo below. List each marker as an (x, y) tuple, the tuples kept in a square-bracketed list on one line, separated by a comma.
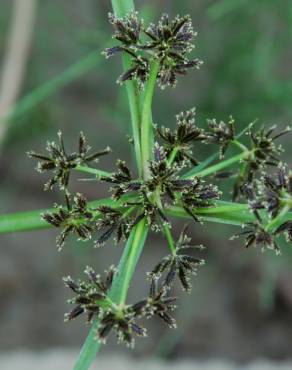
[(93, 171), (169, 238), (223, 215), (226, 212), (219, 166), (147, 124)]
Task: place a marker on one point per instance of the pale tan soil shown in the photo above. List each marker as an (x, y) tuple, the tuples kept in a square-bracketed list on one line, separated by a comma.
[(64, 360)]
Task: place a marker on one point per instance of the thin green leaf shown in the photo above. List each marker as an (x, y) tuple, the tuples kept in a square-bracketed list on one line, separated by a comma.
[(49, 88)]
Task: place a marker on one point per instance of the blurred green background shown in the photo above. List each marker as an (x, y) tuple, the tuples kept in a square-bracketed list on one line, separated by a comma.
[(241, 305)]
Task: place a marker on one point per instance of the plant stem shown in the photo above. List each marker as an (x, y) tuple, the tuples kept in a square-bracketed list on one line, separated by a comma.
[(169, 238), (147, 124), (242, 147), (225, 212), (93, 171), (286, 201), (221, 165), (172, 156), (236, 218), (278, 219), (134, 247), (121, 8)]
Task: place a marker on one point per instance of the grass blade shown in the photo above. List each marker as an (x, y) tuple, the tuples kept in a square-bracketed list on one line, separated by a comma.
[(49, 88)]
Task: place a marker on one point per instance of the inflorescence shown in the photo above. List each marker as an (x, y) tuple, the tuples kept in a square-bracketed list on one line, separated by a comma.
[(269, 196), (169, 42)]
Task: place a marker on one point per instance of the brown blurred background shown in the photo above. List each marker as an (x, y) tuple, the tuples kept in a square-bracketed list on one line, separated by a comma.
[(241, 305)]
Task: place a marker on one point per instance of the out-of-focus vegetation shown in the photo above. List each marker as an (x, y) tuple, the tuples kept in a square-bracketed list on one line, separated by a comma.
[(246, 46)]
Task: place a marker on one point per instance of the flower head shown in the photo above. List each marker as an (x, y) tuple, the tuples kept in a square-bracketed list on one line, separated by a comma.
[(90, 295), (112, 221), (257, 235), (123, 322), (75, 218), (169, 42), (182, 139), (265, 150), (286, 229), (61, 163), (220, 133), (157, 303), (275, 190), (199, 195), (177, 264), (122, 181)]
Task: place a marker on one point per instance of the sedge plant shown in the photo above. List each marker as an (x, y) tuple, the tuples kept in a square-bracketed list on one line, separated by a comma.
[(168, 183)]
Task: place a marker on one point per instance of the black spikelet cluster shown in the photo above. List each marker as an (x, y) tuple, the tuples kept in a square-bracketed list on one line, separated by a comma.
[(75, 218), (169, 42), (221, 133), (178, 264), (92, 297), (61, 163), (272, 193), (183, 138)]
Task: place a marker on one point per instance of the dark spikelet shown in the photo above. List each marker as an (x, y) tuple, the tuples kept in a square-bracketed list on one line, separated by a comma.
[(177, 264), (75, 218), (183, 138), (60, 163), (256, 235), (220, 133)]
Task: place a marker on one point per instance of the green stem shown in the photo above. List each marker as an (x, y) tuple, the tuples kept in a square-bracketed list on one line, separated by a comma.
[(278, 219), (169, 238), (93, 171), (226, 212), (172, 156), (134, 246), (147, 124), (121, 8), (240, 145), (236, 218), (221, 165), (286, 201)]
